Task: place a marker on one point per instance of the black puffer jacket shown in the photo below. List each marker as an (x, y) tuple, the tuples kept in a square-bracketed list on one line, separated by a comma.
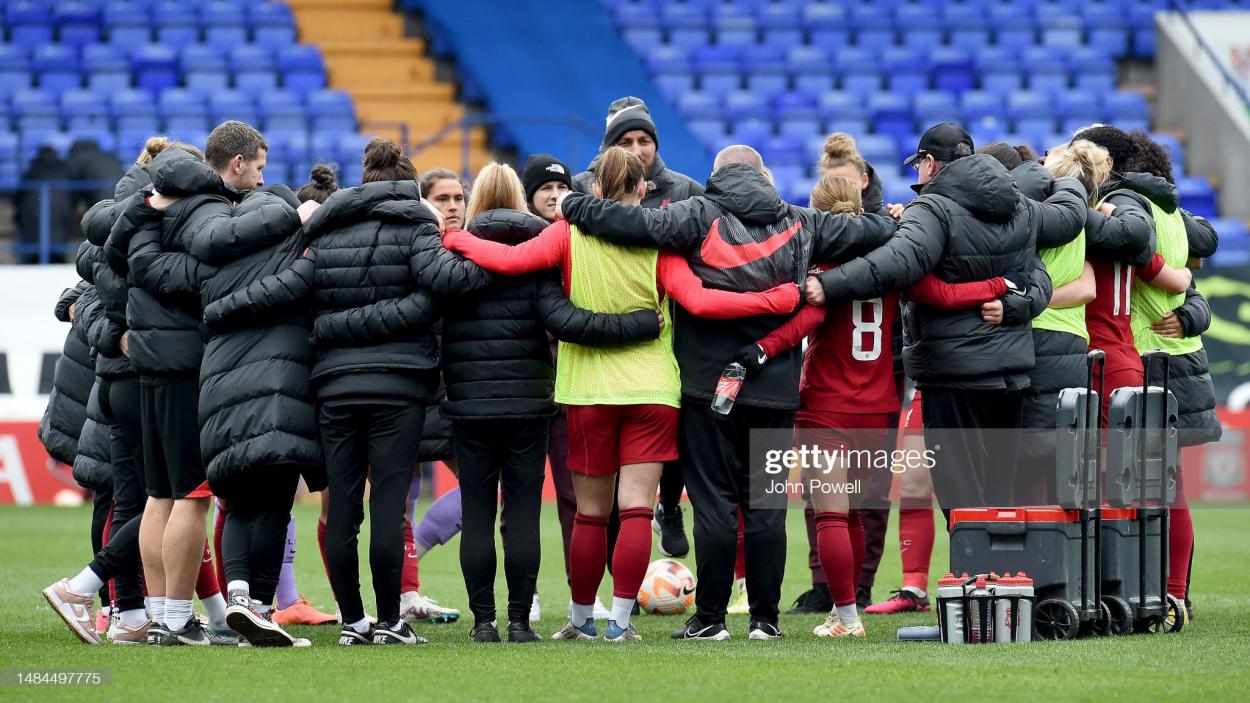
[(163, 312), (93, 466), (112, 288), (970, 223), (71, 382), (377, 244), (664, 187), (496, 360), (256, 405), (873, 197), (739, 236)]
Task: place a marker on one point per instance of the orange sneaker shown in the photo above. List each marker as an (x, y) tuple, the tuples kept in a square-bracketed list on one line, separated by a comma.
[(301, 612)]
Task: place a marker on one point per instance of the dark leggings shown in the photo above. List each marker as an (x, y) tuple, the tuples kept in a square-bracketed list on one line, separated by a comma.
[(99, 518), (255, 534), (495, 454), (119, 559), (380, 443)]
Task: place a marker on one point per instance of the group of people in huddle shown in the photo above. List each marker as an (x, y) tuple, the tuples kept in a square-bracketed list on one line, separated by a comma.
[(232, 340)]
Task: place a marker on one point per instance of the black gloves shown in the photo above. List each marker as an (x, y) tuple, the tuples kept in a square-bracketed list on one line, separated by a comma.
[(752, 357)]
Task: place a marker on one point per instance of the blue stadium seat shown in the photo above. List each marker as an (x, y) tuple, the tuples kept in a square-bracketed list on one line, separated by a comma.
[(642, 39), (155, 68), (873, 30), (183, 111), (9, 170), (767, 84), (1123, 106), (1107, 29), (1013, 30), (332, 109), (29, 24), (698, 105), (84, 110), (720, 83), (674, 84), (826, 24), (933, 107), (36, 110), (273, 25), (978, 105), (232, 105), (708, 59), (953, 69), (302, 68), (1197, 196), (708, 131), (751, 132), (1063, 30), (15, 72), (77, 23), (132, 112), (57, 67), (739, 31), (127, 23), (668, 58), (745, 105)]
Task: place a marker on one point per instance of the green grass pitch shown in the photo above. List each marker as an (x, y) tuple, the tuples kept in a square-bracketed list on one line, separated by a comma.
[(1208, 660)]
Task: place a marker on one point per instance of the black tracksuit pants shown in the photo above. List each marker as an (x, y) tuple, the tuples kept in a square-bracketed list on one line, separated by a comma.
[(101, 506), (975, 437), (119, 559), (380, 443), (254, 538), (495, 454), (716, 453)]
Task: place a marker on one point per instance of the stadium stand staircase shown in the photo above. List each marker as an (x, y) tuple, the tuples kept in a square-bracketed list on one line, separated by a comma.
[(389, 78), (530, 60)]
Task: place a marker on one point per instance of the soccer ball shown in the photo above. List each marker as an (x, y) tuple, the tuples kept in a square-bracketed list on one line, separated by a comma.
[(667, 589)]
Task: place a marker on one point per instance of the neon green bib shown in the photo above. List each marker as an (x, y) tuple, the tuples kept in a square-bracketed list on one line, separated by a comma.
[(1064, 264), (609, 278), (1149, 303)]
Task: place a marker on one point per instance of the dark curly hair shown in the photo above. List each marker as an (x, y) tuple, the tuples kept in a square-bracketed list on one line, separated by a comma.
[(1131, 152), (1009, 156)]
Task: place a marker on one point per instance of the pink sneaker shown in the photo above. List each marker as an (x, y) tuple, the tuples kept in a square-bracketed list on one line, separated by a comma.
[(102, 620), (75, 609), (903, 601)]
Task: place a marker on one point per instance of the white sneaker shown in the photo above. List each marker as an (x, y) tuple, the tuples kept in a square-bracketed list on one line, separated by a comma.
[(414, 607), (536, 609), (601, 612)]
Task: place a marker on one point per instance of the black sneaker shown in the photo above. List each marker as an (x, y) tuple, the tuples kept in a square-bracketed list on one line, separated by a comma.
[(817, 599), (396, 632), (1189, 610), (350, 638), (522, 632), (764, 630), (672, 531), (695, 629), (156, 635), (485, 631), (258, 629), (192, 634)]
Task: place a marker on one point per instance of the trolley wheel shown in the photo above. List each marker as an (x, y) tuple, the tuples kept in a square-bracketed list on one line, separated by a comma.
[(1176, 616), (1119, 617), (1055, 619), (1147, 626)]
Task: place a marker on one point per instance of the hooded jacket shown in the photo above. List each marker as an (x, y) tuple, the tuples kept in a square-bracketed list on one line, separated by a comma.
[(378, 245), (93, 465), (970, 223), (739, 236), (664, 187), (112, 287), (72, 380), (256, 408), (151, 248), (496, 359)]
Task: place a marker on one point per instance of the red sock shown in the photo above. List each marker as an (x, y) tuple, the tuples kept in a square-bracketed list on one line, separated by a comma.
[(588, 554), (219, 528), (632, 553), (855, 530), (833, 543), (321, 543), (740, 555), (206, 584), (104, 540), (915, 545), (410, 580), (1180, 548)]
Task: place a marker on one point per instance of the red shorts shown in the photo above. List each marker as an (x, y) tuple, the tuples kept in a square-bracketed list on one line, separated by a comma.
[(201, 491), (913, 420), (603, 438), (1120, 378), (851, 432)]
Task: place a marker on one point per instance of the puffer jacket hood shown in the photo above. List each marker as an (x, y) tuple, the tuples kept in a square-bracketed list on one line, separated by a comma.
[(397, 202), (980, 184), (747, 194), (1033, 180), (134, 180), (1154, 188), (873, 196), (506, 226)]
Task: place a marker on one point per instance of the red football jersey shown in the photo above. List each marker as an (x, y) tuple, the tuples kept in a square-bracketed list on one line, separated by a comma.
[(849, 363), (1107, 316)]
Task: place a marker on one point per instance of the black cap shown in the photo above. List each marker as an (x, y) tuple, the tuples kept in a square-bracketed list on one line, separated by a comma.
[(543, 168), (625, 115), (940, 140)]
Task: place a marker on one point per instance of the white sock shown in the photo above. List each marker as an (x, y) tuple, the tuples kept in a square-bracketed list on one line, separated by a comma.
[(156, 609), (263, 608), (579, 613), (848, 614), (741, 584), (621, 609), (918, 592), (86, 582), (215, 608), (177, 613), (361, 626), (239, 586), (134, 618)]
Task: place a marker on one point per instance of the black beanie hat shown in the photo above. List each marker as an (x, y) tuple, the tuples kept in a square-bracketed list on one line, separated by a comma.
[(543, 168), (625, 115)]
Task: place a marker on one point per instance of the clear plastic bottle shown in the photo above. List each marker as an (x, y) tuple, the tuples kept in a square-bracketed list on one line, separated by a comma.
[(727, 388)]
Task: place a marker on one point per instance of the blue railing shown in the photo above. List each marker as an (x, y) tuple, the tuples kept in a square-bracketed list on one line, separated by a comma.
[(44, 247), (1229, 78)]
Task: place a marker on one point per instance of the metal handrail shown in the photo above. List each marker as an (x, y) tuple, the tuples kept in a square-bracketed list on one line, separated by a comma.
[(1229, 78), (468, 122), (44, 247)]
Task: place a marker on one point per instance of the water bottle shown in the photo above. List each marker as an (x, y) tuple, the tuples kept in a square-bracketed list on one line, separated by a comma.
[(980, 620), (727, 388), (1024, 612), (1005, 612), (950, 594)]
